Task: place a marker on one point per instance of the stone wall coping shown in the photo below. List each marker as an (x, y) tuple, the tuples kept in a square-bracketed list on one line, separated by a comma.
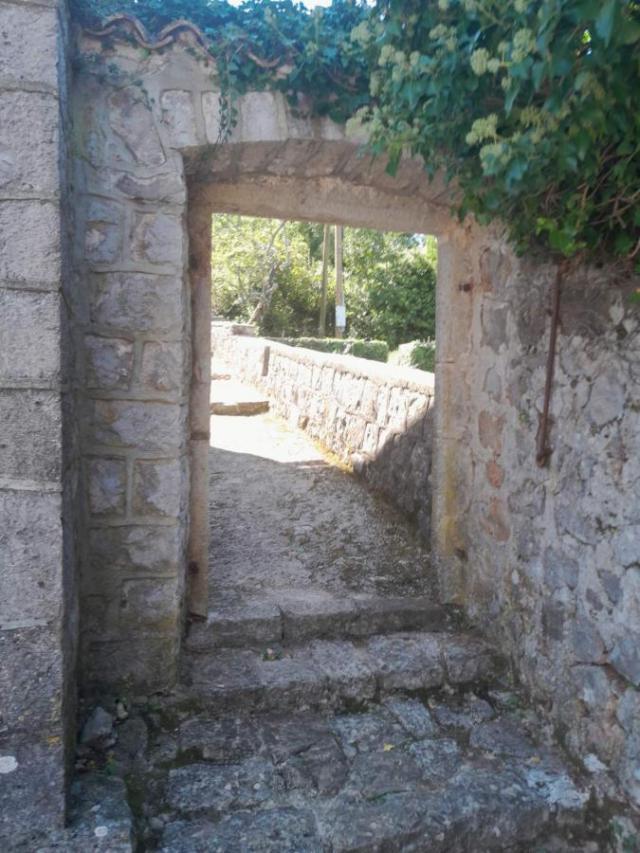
[(379, 372), (382, 374)]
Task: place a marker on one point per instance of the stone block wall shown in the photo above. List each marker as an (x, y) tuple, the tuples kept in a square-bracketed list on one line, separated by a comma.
[(376, 417), (548, 559), (147, 175), (38, 623), (133, 367)]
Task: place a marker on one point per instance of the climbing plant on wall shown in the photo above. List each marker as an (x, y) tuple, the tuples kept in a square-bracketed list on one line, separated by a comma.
[(309, 56), (533, 106)]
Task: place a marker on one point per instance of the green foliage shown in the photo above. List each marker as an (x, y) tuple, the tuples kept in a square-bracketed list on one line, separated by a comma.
[(534, 107), (390, 283), (389, 278), (266, 44), (242, 262), (418, 354), (373, 350)]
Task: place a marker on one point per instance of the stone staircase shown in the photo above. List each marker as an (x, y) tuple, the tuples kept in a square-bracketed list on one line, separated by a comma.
[(233, 398), (329, 703), (405, 737), (322, 652)]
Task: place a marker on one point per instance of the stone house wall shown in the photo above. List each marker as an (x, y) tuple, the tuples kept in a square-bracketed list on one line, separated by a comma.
[(38, 622), (376, 417), (547, 560)]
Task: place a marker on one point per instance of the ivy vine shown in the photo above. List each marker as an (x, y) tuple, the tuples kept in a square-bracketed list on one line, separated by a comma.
[(279, 45), (533, 106)]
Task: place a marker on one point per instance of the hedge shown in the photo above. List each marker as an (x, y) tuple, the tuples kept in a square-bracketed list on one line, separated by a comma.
[(418, 354), (373, 350)]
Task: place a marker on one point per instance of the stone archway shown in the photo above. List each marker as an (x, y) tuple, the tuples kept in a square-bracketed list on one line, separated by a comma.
[(96, 378), (149, 175)]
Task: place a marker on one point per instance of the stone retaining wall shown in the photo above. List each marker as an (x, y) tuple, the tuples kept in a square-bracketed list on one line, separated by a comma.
[(376, 417)]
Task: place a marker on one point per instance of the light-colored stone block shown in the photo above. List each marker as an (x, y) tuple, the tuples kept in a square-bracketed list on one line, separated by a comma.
[(28, 44), (262, 117), (132, 122), (31, 439), (103, 235), (143, 661), (397, 411), (107, 486), (143, 425), (30, 335), (166, 187), (41, 769), (163, 366), (31, 679), (137, 302), (150, 606), (30, 242), (29, 169), (179, 117), (158, 239), (31, 548), (158, 488), (136, 549), (109, 362)]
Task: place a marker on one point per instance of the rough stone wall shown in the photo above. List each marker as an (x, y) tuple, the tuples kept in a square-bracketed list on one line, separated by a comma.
[(37, 584), (132, 328), (548, 559), (376, 417)]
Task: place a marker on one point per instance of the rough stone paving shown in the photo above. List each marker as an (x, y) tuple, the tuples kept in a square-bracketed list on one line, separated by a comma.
[(328, 703), (274, 494)]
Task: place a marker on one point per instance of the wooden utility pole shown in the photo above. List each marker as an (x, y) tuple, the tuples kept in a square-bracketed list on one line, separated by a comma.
[(341, 312), (322, 325)]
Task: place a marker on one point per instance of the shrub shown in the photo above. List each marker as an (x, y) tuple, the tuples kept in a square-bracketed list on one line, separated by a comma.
[(373, 350), (531, 106), (418, 354)]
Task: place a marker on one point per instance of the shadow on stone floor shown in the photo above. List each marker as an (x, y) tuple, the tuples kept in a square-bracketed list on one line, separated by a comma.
[(285, 517)]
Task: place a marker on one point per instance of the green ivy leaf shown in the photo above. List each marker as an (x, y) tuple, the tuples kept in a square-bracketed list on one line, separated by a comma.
[(606, 19)]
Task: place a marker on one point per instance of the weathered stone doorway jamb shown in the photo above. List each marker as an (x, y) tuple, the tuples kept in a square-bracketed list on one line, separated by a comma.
[(199, 235), (454, 314)]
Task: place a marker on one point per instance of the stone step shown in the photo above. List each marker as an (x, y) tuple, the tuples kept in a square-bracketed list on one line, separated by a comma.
[(335, 673), (292, 617), (452, 773), (240, 408), (229, 397)]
